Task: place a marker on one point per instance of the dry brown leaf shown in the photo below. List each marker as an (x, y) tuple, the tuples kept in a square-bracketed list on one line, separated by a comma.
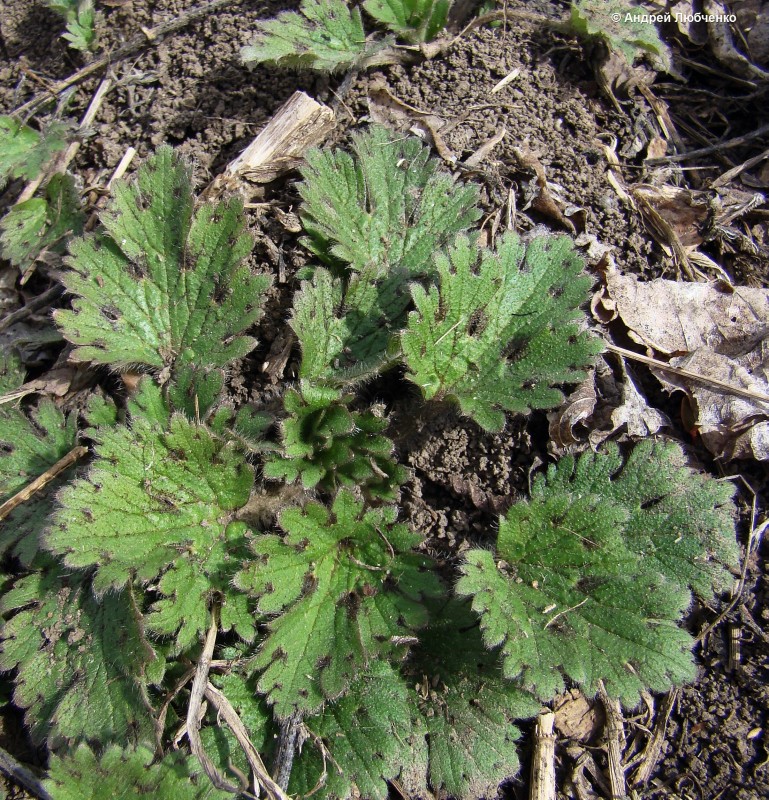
[(541, 196), (604, 405), (576, 717), (715, 331)]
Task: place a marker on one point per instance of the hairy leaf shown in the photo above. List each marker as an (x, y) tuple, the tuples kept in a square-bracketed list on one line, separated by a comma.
[(81, 31), (593, 573), (325, 36), (30, 443), (413, 21), (464, 710), (163, 286), (617, 23), (125, 773), (345, 587), (80, 660), (328, 446), (160, 501), (501, 327), (365, 734), (376, 216), (41, 222), (24, 152)]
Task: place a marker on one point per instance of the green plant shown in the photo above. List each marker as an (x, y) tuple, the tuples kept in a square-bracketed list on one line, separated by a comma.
[(329, 36), (178, 563), (624, 28), (79, 17), (45, 222)]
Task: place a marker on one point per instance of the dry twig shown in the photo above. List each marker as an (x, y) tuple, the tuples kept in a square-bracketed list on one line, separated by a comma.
[(147, 37), (197, 692), (543, 762), (615, 737), (28, 491), (20, 774)]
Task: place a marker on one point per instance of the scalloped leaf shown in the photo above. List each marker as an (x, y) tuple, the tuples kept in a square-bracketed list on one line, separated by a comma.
[(80, 661), (25, 152), (30, 443), (592, 575), (620, 25), (345, 587), (364, 732), (160, 501), (42, 223), (414, 21), (325, 36), (163, 286), (376, 216), (464, 711), (500, 328), (125, 773)]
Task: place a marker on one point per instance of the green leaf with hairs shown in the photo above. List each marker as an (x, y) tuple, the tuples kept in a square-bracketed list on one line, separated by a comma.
[(127, 773), (164, 285), (159, 502), (365, 733), (500, 328), (592, 575), (31, 442), (326, 36), (344, 587), (328, 446), (376, 216), (464, 741), (620, 26), (80, 661), (414, 21), (42, 223), (25, 152)]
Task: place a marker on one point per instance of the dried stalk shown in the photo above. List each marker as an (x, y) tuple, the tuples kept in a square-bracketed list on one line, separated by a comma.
[(39, 483), (196, 701), (543, 761), (230, 716), (615, 737)]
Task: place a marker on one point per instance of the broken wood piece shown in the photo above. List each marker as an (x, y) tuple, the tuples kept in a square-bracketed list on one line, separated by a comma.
[(28, 491), (543, 761), (299, 124), (653, 751), (615, 739)]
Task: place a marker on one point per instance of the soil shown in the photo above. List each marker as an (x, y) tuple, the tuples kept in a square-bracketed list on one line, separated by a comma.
[(189, 90)]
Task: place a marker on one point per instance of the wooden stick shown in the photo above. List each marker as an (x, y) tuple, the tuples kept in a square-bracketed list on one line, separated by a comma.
[(543, 760), (230, 716), (63, 463), (199, 684), (615, 737), (33, 305), (136, 44), (20, 774), (714, 148), (299, 124), (64, 159), (686, 373), (651, 754)]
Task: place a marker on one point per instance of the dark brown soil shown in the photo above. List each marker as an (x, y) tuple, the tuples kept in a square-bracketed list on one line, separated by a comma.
[(190, 91)]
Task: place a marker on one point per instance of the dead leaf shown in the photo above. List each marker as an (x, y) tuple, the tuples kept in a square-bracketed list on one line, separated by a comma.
[(674, 318), (576, 717), (540, 193), (603, 404), (715, 332)]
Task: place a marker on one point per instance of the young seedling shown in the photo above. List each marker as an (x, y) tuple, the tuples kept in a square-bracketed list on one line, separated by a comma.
[(323, 618), (329, 36)]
